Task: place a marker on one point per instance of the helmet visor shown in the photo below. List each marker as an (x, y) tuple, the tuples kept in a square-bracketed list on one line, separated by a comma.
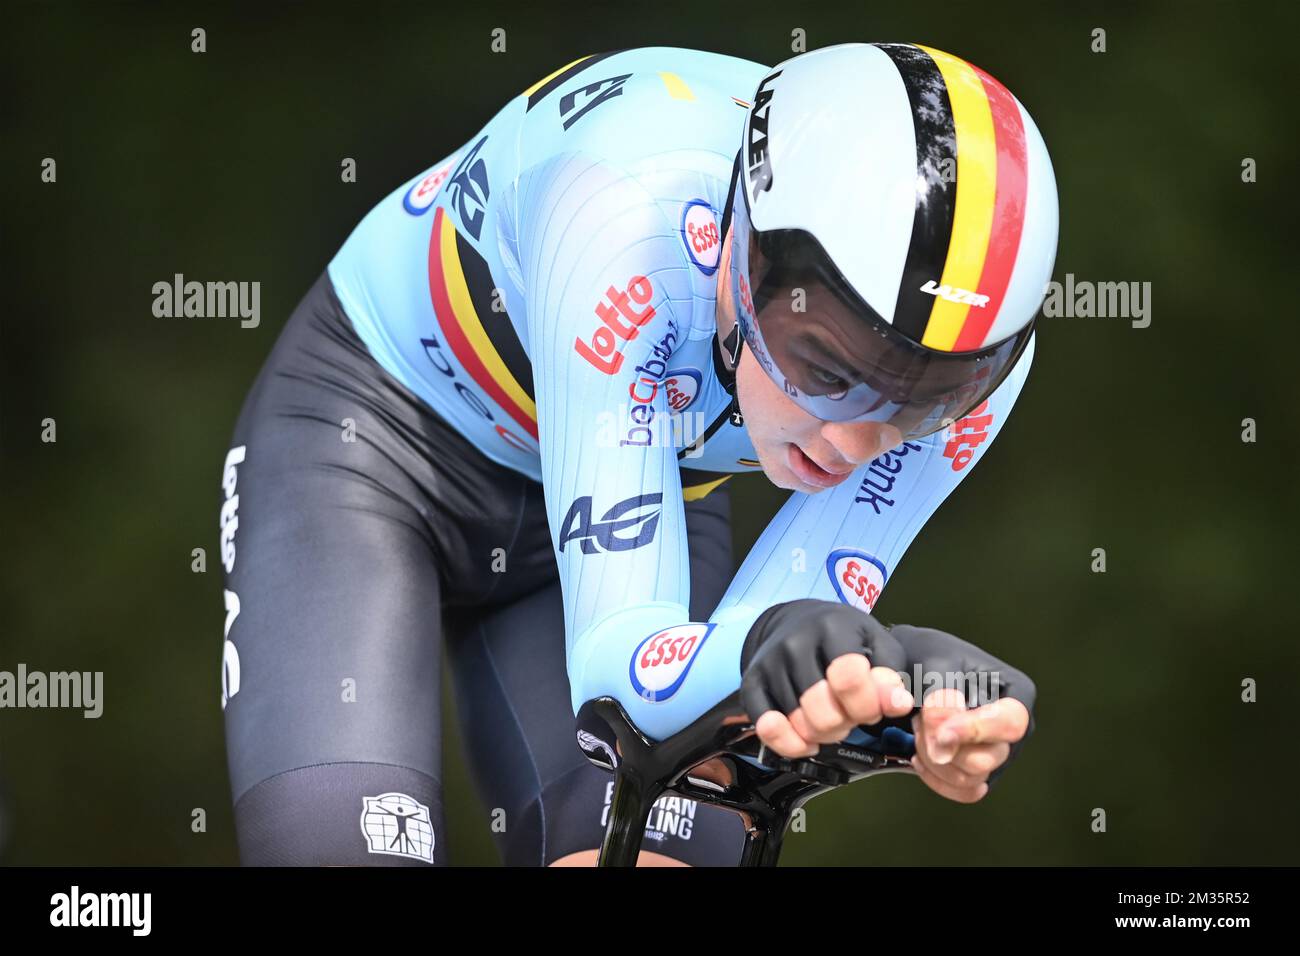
[(833, 354)]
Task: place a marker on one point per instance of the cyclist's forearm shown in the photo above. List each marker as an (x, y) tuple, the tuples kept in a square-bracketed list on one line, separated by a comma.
[(665, 669)]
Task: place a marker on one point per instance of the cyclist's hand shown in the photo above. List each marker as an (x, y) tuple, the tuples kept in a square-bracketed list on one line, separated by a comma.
[(852, 694), (807, 680), (964, 740), (957, 749)]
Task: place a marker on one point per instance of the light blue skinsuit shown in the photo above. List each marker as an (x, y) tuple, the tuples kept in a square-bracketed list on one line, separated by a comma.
[(567, 255)]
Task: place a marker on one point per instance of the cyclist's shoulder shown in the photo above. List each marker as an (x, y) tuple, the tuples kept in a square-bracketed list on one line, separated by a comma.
[(685, 75), (631, 152), (621, 108)]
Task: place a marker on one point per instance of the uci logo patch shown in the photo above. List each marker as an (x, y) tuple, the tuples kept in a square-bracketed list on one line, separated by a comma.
[(700, 233), (395, 824), (681, 386), (420, 197), (857, 577), (661, 662)]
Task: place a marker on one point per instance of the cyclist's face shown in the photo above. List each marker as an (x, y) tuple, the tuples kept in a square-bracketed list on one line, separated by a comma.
[(798, 451)]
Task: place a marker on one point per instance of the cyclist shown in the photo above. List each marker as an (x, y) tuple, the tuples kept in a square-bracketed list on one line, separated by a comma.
[(502, 421)]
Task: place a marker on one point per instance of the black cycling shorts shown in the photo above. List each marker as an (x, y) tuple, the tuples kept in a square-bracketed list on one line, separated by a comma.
[(359, 536)]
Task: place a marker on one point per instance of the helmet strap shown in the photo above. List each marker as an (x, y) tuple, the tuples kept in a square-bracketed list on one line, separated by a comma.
[(731, 193), (727, 356)]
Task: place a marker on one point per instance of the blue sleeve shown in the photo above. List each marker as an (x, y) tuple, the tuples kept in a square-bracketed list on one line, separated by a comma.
[(605, 281)]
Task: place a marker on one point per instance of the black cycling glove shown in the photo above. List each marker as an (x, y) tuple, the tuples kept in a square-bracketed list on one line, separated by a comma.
[(790, 645)]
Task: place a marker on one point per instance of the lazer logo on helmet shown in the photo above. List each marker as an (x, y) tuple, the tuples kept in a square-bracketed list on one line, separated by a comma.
[(661, 662), (954, 294), (624, 527), (857, 577), (756, 156), (605, 352)]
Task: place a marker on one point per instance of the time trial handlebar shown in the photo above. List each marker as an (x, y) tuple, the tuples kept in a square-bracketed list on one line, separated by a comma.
[(718, 759)]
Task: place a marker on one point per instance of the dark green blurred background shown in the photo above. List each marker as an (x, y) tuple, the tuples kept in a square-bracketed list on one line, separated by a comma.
[(226, 165)]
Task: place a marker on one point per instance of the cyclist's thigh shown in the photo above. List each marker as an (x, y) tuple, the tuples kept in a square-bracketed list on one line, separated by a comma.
[(332, 660), (512, 692)]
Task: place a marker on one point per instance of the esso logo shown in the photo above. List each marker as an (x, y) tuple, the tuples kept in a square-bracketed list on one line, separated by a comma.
[(420, 197), (700, 233), (857, 577), (681, 385), (661, 662)]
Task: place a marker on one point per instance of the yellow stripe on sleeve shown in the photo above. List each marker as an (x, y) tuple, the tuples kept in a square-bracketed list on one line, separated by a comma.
[(550, 76)]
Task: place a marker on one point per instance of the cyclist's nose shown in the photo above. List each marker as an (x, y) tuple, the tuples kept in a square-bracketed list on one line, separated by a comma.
[(859, 442)]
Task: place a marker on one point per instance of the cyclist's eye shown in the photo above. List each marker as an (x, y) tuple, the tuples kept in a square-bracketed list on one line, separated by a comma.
[(828, 380)]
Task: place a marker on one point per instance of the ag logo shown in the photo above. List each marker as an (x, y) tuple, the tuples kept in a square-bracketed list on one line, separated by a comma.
[(700, 233), (624, 527), (857, 577), (681, 385), (661, 662), (420, 197), (469, 190)]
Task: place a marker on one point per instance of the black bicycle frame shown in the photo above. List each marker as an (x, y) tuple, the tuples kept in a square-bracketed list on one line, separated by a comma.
[(717, 760)]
